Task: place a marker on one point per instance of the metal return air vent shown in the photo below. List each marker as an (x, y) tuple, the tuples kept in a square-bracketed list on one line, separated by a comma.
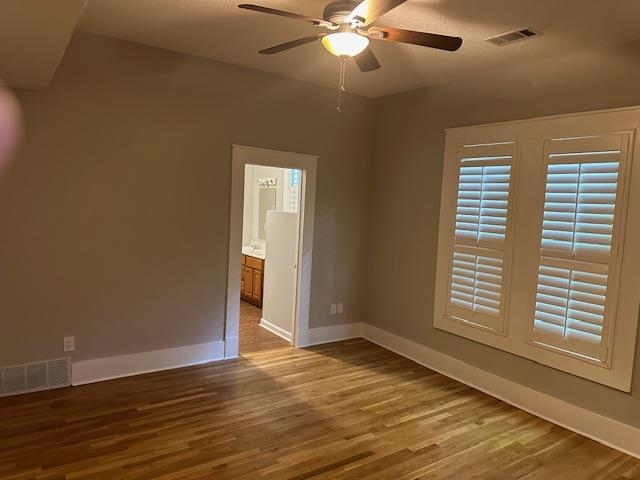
[(33, 377), (513, 36)]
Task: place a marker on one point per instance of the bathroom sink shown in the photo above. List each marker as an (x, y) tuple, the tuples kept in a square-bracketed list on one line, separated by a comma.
[(253, 252)]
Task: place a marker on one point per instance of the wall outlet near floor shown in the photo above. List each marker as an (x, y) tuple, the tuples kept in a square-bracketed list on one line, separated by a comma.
[(333, 309), (340, 308), (69, 344)]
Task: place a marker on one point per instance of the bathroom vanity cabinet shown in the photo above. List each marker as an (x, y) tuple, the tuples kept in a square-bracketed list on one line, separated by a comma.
[(251, 283)]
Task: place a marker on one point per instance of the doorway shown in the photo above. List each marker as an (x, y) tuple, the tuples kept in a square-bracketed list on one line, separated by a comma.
[(270, 229), (268, 288)]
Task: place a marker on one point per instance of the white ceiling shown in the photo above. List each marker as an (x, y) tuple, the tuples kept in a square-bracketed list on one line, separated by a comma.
[(33, 37), (35, 33), (217, 29)]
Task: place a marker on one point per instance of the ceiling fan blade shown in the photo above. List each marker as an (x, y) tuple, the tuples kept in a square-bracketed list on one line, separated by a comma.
[(371, 10), (433, 40), (293, 43), (367, 61), (282, 13)]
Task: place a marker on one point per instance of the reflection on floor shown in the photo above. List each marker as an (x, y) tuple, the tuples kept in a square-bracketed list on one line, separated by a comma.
[(252, 336)]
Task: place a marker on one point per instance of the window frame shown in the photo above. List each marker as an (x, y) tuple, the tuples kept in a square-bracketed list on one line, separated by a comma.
[(529, 163)]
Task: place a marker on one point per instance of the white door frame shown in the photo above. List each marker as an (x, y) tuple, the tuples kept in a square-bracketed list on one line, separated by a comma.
[(242, 156)]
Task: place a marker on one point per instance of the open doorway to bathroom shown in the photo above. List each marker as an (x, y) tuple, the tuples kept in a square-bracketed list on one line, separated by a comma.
[(270, 226), (270, 250)]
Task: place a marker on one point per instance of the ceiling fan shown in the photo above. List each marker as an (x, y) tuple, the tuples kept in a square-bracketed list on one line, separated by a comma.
[(350, 25)]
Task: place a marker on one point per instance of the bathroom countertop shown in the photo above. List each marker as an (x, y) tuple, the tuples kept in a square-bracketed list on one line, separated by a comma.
[(250, 251)]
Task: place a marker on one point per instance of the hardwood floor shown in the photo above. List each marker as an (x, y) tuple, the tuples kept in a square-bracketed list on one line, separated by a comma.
[(348, 410), (252, 336)]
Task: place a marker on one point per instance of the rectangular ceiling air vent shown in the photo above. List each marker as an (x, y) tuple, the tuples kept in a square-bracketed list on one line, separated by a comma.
[(33, 377), (513, 36)]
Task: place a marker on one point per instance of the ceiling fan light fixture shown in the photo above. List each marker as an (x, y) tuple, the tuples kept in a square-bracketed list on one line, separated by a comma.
[(347, 44)]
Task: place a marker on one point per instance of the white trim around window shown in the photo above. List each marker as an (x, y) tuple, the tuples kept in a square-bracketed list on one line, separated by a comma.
[(560, 283)]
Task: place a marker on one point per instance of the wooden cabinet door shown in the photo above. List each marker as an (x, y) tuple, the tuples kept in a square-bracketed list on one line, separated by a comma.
[(257, 287), (248, 282), (242, 294), (251, 279)]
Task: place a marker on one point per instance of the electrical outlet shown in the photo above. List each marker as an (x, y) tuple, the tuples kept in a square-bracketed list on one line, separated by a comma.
[(340, 308), (334, 309), (69, 344)]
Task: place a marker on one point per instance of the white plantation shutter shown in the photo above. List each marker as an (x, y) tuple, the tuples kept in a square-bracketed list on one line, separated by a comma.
[(578, 248), (483, 194), (570, 307), (579, 205), (476, 282), (477, 279)]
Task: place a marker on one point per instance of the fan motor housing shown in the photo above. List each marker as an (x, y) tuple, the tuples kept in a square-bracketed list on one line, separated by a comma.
[(337, 12)]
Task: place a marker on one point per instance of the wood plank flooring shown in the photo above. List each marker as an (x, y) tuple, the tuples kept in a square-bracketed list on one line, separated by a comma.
[(253, 337), (349, 410)]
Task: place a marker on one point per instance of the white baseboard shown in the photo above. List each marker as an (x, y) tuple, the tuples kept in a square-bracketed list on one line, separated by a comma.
[(333, 333), (231, 346), (100, 369), (281, 332), (602, 429)]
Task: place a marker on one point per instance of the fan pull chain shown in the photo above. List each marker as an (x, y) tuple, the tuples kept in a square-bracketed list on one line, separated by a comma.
[(341, 88)]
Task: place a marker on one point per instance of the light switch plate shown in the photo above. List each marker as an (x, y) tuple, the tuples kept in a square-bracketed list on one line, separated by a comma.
[(69, 344), (334, 309), (340, 308)]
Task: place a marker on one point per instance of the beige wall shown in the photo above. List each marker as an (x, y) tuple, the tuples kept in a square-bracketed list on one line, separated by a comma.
[(405, 201), (114, 216), (115, 213)]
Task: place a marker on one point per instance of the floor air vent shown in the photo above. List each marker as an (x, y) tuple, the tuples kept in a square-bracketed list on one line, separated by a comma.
[(32, 377), (513, 36)]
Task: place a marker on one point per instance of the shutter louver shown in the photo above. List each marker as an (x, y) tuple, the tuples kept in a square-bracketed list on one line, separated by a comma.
[(581, 195), (480, 231)]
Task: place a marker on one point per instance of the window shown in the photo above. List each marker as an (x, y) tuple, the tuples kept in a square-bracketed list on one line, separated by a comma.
[(577, 263), (293, 190), (480, 235), (532, 228)]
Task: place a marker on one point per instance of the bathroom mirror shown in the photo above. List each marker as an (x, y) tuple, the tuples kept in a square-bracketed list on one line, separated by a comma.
[(266, 201)]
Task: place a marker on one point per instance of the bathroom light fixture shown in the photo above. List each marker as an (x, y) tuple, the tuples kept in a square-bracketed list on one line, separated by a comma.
[(345, 43)]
